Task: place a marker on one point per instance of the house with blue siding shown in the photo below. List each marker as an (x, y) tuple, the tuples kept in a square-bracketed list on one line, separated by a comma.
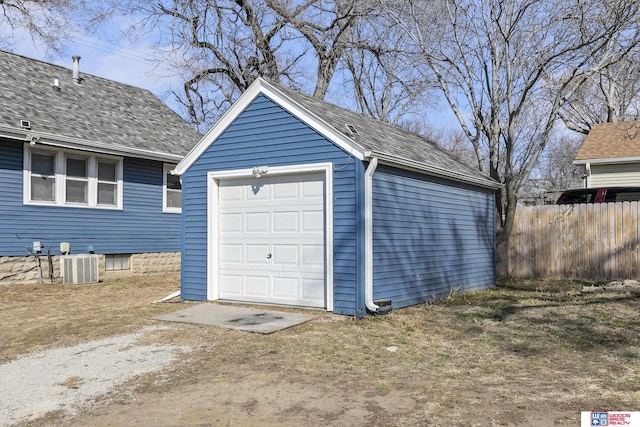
[(291, 200), (85, 162)]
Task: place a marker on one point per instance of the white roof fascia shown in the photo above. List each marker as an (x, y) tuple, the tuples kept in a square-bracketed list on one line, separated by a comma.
[(609, 160), (27, 135), (261, 86), (315, 122), (435, 171)]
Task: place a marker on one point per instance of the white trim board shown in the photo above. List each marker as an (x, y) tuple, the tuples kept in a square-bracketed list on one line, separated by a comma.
[(70, 143), (611, 160), (213, 253), (261, 86)]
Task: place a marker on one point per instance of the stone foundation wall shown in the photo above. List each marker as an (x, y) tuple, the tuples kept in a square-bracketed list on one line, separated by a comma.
[(25, 269), (29, 269), (166, 262)]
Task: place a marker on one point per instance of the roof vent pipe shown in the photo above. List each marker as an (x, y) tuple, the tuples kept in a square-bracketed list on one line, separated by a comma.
[(76, 69)]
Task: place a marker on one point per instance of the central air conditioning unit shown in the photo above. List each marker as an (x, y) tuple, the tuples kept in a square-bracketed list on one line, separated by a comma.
[(78, 269)]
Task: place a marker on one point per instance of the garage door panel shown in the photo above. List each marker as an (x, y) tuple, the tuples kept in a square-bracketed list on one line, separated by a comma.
[(282, 235), (257, 222), (313, 190), (285, 190), (312, 289), (231, 285), (286, 222), (312, 221), (257, 254), (230, 193), (280, 270), (231, 254), (271, 206), (257, 238), (285, 287), (257, 286), (312, 255), (256, 191), (286, 255), (230, 222)]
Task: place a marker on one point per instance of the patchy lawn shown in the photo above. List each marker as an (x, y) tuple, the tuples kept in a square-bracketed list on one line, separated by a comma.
[(527, 353)]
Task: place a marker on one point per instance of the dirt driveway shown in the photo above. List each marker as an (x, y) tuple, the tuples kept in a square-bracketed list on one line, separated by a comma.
[(525, 354)]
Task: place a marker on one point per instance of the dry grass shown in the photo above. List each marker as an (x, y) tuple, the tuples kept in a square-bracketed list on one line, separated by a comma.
[(520, 348), (41, 316)]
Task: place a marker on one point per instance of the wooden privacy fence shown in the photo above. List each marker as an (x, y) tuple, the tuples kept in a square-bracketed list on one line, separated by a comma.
[(586, 241)]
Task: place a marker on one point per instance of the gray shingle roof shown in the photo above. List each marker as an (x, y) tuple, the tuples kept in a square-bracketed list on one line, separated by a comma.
[(100, 113), (388, 140)]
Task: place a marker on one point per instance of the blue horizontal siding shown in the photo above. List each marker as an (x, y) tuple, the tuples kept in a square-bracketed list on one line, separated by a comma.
[(141, 227), (431, 237), (266, 134)]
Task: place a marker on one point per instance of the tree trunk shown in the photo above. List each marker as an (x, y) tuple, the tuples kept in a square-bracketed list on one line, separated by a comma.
[(507, 217), (502, 254)]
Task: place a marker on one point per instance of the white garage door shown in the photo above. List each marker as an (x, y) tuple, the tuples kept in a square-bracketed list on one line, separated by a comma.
[(272, 239)]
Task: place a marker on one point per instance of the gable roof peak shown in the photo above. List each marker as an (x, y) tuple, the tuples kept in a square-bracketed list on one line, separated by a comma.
[(373, 138)]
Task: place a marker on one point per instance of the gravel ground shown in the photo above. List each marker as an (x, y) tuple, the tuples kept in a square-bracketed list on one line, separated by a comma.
[(67, 378)]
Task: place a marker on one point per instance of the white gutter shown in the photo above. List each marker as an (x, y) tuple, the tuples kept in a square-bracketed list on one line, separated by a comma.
[(82, 144), (368, 234), (634, 159)]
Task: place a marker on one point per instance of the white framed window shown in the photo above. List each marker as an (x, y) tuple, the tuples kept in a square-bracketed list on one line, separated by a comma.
[(171, 190), (76, 175), (58, 177), (108, 182), (117, 262), (42, 176)]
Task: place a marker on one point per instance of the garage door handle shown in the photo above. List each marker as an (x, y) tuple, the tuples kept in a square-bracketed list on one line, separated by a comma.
[(268, 256)]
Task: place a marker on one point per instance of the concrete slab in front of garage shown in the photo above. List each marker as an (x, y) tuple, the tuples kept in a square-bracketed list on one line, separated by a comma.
[(239, 318)]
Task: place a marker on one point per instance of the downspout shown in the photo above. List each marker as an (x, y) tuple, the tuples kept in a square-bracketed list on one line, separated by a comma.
[(368, 234), (587, 181)]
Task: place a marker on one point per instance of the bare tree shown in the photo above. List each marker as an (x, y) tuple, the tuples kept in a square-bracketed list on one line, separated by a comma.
[(494, 61), (48, 21), (456, 142), (609, 96), (219, 47), (556, 163), (385, 84), (328, 27)]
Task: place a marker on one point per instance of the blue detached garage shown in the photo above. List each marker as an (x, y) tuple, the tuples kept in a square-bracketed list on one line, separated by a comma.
[(291, 200)]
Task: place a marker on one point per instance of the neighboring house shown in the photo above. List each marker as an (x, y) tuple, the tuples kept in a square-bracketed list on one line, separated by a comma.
[(610, 155), (291, 200), (537, 192), (85, 160)]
